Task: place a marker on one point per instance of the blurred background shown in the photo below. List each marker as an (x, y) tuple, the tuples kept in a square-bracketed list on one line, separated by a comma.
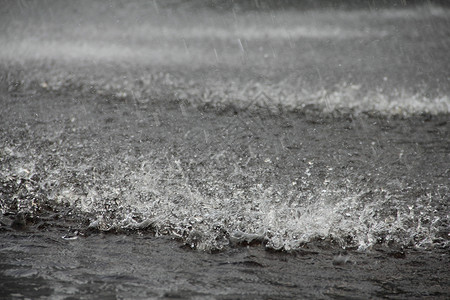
[(389, 56)]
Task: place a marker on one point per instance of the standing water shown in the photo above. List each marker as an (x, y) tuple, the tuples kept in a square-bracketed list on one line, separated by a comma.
[(239, 151)]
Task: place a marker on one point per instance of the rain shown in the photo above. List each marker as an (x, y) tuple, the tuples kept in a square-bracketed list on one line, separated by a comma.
[(224, 149)]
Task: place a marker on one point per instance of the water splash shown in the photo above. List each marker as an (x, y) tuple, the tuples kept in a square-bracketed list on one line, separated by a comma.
[(211, 213), (280, 96)]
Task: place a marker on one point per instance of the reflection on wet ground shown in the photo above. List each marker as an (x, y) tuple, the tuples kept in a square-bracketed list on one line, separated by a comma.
[(43, 264), (300, 153)]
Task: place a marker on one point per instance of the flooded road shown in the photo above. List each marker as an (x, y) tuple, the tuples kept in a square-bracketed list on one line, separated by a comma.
[(43, 265), (171, 151), (335, 208)]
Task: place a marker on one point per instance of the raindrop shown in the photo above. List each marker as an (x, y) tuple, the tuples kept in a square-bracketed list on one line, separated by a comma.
[(216, 55), (155, 5)]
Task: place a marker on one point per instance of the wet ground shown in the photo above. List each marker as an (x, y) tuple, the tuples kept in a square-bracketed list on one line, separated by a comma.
[(41, 264), (177, 153), (53, 253)]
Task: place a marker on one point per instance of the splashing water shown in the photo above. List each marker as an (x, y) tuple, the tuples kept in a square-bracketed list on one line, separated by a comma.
[(122, 146), (230, 204)]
